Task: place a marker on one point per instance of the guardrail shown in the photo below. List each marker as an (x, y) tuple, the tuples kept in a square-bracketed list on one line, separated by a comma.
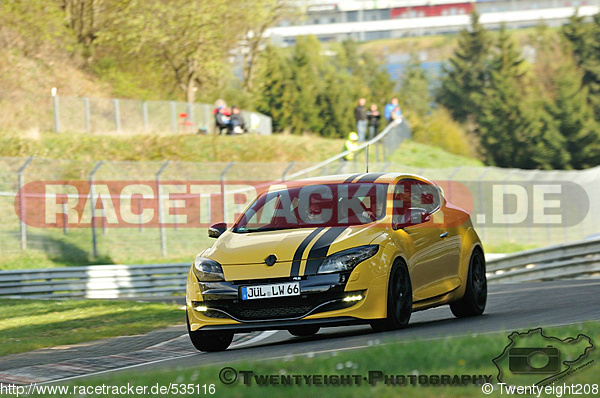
[(566, 261), (96, 281), (577, 260)]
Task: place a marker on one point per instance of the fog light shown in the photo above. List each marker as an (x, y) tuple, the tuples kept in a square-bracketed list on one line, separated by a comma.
[(357, 297), (201, 308)]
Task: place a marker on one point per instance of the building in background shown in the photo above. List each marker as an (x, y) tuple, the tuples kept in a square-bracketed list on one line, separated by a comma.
[(381, 19)]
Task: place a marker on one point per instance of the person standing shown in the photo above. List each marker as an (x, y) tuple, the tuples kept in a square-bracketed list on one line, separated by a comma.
[(392, 111), (238, 124), (351, 145), (360, 114), (373, 120)]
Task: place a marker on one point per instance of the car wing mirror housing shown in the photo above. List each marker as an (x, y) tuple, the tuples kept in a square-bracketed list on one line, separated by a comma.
[(216, 230)]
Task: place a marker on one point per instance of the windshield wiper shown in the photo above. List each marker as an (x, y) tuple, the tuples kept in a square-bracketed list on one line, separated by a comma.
[(259, 229)]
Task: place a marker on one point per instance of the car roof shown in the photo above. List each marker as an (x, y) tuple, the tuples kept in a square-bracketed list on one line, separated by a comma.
[(358, 178)]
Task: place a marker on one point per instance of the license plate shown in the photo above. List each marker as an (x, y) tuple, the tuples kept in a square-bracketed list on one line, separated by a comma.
[(270, 291)]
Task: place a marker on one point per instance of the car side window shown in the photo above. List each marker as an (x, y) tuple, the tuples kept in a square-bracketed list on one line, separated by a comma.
[(413, 200), (429, 196)]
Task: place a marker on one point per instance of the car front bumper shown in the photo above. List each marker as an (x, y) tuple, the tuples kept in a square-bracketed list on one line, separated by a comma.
[(325, 300)]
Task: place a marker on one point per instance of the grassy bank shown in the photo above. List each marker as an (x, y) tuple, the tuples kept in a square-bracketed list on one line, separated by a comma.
[(467, 355), (27, 325), (209, 148), (192, 148), (415, 154)]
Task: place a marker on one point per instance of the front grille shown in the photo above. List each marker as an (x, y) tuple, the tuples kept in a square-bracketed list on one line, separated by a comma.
[(279, 308)]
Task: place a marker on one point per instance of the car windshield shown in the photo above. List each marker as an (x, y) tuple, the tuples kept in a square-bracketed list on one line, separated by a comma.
[(314, 206)]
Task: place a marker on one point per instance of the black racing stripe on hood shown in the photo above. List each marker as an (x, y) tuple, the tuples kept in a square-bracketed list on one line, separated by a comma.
[(371, 177), (320, 249), (351, 178), (295, 271)]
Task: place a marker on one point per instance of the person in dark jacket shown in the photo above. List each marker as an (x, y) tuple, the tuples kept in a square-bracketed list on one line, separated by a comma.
[(238, 125), (360, 114), (373, 120), (222, 117)]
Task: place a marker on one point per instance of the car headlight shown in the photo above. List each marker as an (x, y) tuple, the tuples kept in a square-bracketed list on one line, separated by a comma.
[(346, 260), (206, 269)]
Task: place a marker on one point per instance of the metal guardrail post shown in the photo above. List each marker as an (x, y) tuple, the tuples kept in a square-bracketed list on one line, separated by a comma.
[(173, 118), (190, 113), (93, 208), (161, 228), (225, 170), (65, 219), (141, 218), (56, 113), (507, 228), (287, 169), (86, 114), (145, 115), (117, 116), (480, 204), (22, 203)]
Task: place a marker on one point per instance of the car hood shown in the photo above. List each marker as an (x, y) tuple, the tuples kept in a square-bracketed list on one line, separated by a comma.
[(288, 245)]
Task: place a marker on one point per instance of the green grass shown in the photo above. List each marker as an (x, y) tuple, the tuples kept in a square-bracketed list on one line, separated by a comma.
[(508, 247), (27, 325), (49, 248), (414, 154), (192, 148), (467, 355)]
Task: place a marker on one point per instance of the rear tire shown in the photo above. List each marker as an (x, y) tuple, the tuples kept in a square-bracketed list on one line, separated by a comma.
[(475, 298), (209, 341), (304, 331), (399, 301)]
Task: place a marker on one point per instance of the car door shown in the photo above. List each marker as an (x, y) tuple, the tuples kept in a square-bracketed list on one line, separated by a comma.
[(419, 213)]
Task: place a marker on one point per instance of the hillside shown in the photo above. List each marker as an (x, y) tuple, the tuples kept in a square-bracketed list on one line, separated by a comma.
[(200, 148)]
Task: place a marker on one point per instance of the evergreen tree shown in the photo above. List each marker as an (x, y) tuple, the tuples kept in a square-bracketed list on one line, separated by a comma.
[(336, 105), (467, 74), (414, 88), (585, 40), (505, 127), (273, 88), (574, 117), (306, 78), (547, 146)]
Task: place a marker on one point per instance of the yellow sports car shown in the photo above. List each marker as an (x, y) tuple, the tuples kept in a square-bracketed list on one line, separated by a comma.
[(333, 251)]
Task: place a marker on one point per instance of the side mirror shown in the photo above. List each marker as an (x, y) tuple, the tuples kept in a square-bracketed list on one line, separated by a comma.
[(216, 230), (413, 216)]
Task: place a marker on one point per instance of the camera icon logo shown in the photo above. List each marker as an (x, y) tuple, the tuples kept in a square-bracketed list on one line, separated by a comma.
[(534, 360)]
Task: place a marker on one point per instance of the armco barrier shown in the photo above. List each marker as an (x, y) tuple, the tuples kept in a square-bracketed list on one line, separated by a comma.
[(579, 260), (96, 281), (568, 261)]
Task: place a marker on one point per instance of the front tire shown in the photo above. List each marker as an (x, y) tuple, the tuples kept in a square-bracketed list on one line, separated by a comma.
[(304, 331), (399, 302), (475, 298), (209, 341)]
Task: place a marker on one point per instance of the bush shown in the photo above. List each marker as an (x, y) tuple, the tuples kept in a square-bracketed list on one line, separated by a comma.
[(439, 129)]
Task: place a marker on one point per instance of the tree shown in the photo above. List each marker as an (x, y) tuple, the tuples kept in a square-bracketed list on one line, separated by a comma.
[(574, 116), (306, 80), (414, 87), (504, 126), (585, 40), (30, 25), (274, 87), (265, 13), (467, 74)]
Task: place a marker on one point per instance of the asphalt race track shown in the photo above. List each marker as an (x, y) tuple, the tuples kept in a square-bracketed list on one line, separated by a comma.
[(510, 307)]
